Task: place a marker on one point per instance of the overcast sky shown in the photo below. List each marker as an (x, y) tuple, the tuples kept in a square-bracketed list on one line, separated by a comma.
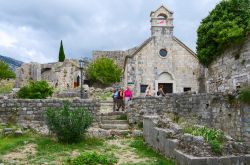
[(31, 30)]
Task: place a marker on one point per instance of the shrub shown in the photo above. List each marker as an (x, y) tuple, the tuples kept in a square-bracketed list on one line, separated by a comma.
[(92, 158), (68, 125), (227, 24), (245, 95), (213, 136), (104, 71), (35, 90)]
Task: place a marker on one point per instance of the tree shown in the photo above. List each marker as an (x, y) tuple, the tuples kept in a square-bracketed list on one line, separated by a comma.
[(228, 24), (5, 71), (61, 53), (104, 71)]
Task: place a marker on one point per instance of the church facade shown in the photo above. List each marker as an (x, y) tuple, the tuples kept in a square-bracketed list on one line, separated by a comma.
[(161, 61)]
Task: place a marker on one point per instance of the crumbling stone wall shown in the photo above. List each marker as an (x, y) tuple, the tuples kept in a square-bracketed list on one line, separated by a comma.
[(61, 75), (117, 56), (213, 110), (30, 113), (231, 70)]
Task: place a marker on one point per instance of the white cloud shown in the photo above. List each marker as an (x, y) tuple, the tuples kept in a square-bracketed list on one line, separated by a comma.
[(6, 40)]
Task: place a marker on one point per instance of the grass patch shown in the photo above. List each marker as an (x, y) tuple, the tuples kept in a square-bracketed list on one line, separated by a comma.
[(105, 96), (93, 158), (6, 87), (144, 151), (50, 150), (122, 117), (10, 143), (212, 136)]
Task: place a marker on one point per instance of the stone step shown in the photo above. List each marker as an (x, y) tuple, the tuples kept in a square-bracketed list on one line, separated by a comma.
[(103, 133), (114, 126), (114, 122), (113, 113), (113, 117)]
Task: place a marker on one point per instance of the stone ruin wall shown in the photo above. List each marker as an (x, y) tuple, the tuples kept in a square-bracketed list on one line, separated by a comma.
[(213, 110), (231, 70), (61, 75), (118, 56), (30, 113)]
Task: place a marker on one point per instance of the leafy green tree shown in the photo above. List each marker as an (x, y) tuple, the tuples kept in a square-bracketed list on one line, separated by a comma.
[(228, 24), (5, 71), (35, 90), (104, 71), (61, 53)]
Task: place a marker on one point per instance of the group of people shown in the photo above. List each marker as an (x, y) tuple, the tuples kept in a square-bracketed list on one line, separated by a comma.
[(150, 92), (121, 98)]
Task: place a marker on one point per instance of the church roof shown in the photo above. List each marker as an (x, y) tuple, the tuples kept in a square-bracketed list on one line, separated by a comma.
[(162, 6), (185, 46), (137, 50)]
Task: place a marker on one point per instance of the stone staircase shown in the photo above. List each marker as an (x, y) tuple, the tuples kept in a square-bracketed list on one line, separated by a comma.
[(112, 123), (115, 122)]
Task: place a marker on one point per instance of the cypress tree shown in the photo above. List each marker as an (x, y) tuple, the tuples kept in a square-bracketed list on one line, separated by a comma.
[(61, 53)]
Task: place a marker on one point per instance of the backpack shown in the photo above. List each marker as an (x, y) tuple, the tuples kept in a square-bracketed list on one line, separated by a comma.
[(116, 94), (120, 94), (158, 93)]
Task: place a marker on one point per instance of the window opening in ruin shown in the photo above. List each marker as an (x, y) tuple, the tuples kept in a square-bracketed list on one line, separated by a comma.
[(163, 52), (187, 89), (167, 87), (78, 81), (143, 88)]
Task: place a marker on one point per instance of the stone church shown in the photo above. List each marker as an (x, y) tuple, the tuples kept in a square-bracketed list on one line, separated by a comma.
[(162, 60)]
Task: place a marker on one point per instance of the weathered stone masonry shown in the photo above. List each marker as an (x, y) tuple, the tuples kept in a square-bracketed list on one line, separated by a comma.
[(213, 110), (31, 112)]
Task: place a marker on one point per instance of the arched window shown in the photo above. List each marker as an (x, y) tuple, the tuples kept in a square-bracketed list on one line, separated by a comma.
[(162, 19)]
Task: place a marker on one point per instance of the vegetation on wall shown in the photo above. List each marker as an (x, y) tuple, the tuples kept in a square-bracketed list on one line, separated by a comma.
[(35, 90), (61, 53), (5, 71), (227, 24), (213, 136), (104, 71), (68, 125), (244, 95)]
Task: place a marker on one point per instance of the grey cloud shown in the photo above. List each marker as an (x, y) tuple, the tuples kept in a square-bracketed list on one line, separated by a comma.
[(86, 25)]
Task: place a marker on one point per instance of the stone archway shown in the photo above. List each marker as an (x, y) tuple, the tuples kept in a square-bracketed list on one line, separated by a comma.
[(166, 81)]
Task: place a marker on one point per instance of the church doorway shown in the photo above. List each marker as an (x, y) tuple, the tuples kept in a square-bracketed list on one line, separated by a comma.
[(167, 87)]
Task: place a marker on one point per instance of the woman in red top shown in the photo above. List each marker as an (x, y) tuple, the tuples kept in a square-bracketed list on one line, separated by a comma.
[(127, 95)]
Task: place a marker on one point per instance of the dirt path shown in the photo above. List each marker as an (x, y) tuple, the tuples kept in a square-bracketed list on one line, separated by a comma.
[(125, 154), (20, 156)]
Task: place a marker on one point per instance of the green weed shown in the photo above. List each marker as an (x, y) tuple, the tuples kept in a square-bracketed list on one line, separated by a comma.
[(93, 158)]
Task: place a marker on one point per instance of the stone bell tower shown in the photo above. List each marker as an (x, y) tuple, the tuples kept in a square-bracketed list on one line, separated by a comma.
[(162, 22)]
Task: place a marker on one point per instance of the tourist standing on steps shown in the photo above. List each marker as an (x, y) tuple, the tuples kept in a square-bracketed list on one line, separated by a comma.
[(127, 96), (120, 100), (149, 91), (161, 92), (115, 98)]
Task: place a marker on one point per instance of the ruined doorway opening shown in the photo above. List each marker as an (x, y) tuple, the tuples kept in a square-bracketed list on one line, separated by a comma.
[(78, 81), (167, 87)]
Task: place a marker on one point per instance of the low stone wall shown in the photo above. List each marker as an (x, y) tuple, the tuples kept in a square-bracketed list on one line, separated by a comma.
[(213, 110), (160, 140), (30, 113)]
